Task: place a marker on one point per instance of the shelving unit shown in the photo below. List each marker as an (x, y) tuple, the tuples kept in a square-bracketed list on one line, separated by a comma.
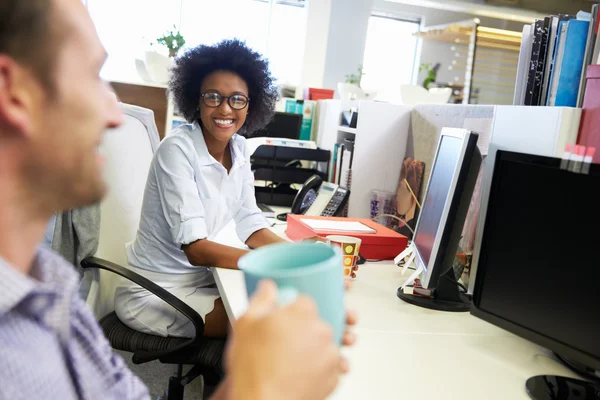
[(486, 57), (277, 167), (347, 129), (377, 147)]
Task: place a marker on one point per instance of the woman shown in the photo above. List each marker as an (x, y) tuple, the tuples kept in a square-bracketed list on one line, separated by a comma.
[(200, 179)]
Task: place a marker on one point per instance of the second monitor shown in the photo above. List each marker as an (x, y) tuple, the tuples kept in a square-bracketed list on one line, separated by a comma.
[(283, 125), (442, 216)]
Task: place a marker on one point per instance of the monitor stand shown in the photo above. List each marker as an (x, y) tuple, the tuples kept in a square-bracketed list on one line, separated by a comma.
[(447, 297), (549, 387)]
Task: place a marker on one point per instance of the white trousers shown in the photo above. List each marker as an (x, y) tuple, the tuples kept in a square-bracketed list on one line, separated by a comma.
[(141, 310)]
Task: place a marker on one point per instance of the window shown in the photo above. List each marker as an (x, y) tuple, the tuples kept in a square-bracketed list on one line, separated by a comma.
[(390, 54), (275, 30), (127, 27)]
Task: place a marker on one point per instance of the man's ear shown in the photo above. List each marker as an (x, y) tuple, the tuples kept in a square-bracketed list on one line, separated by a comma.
[(16, 84)]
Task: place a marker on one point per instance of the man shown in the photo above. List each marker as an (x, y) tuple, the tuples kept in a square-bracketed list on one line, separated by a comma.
[(54, 109)]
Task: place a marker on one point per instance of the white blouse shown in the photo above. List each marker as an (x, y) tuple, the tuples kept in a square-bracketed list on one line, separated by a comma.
[(190, 196)]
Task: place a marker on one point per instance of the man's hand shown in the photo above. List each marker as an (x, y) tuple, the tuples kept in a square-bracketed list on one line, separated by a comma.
[(283, 353)]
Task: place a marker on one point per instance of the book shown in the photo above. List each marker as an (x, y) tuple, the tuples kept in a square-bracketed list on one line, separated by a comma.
[(332, 166), (558, 56), (532, 93), (523, 66), (552, 34), (589, 52), (554, 53), (589, 135), (596, 52), (541, 65), (341, 226), (572, 63)]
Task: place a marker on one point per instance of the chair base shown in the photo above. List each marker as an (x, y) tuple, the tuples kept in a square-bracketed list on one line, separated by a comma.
[(178, 382)]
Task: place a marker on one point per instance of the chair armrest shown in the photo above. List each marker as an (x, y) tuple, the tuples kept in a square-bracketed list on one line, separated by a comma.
[(142, 356)]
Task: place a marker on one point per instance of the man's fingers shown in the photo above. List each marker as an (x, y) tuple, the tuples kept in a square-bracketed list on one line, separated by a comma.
[(344, 365), (351, 318), (264, 299), (349, 338)]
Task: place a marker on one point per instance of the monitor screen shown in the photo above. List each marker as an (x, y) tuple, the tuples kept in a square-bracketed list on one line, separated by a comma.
[(438, 190), (539, 265), (283, 125)]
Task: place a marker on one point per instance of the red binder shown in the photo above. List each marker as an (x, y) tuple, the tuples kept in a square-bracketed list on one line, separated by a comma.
[(384, 244), (589, 128)]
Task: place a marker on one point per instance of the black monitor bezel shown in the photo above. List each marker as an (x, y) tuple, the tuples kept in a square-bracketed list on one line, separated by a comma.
[(558, 347)]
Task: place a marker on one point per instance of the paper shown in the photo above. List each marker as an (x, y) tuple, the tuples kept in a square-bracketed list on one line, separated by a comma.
[(342, 226)]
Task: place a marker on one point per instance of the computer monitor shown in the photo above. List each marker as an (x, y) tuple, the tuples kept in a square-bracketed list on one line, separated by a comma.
[(441, 219), (283, 125), (539, 263)]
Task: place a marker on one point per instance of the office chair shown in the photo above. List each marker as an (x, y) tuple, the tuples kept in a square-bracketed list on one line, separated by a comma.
[(128, 151), (413, 95)]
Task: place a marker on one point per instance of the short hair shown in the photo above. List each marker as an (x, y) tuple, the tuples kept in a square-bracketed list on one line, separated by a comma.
[(196, 64), (26, 29)]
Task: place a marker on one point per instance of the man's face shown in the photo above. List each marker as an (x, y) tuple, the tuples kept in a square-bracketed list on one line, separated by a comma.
[(68, 129)]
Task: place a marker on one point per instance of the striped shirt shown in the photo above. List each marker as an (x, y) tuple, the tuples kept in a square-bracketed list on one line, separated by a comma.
[(51, 346)]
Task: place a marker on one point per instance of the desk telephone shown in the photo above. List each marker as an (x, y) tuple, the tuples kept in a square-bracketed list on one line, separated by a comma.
[(319, 198)]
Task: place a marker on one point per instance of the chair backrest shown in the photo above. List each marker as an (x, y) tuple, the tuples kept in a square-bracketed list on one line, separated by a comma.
[(440, 95), (349, 91), (411, 95), (128, 151)]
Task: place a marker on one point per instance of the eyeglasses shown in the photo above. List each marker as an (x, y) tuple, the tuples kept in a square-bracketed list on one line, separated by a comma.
[(214, 100)]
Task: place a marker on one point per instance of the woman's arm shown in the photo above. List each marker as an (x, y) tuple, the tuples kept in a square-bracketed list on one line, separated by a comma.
[(207, 253), (263, 237)]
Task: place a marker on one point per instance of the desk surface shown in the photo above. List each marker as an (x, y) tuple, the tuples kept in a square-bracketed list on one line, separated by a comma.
[(404, 351)]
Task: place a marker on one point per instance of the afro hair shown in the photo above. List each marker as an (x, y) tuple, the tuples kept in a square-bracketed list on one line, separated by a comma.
[(196, 64)]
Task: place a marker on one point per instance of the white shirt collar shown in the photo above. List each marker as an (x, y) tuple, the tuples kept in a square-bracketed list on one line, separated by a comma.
[(204, 157)]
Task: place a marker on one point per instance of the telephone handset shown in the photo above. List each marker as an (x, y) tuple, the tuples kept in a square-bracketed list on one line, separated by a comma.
[(318, 198)]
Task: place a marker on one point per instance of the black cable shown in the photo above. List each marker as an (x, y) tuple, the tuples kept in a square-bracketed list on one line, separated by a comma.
[(457, 283)]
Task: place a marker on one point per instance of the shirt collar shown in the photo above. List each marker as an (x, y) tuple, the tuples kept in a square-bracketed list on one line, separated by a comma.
[(53, 275), (204, 157)]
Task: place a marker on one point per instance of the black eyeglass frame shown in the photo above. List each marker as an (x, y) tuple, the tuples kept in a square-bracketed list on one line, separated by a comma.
[(223, 98)]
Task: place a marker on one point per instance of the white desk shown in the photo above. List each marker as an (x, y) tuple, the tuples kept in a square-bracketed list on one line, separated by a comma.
[(406, 352)]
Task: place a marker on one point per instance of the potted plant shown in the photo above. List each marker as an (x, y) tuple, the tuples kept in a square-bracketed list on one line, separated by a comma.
[(355, 79), (172, 41), (431, 71), (157, 62)]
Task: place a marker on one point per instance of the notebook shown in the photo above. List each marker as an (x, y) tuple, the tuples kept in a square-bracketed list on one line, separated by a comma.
[(342, 226)]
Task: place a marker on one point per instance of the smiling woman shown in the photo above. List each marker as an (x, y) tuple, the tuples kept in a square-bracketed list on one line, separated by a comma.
[(199, 181)]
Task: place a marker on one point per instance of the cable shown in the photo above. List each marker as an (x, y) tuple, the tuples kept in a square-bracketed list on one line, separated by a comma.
[(396, 217), (460, 285)]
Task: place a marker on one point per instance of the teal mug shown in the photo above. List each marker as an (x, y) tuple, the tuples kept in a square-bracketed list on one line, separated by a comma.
[(306, 268)]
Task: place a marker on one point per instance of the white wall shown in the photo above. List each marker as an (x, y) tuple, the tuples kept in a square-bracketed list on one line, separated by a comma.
[(318, 14), (347, 36), (335, 40)]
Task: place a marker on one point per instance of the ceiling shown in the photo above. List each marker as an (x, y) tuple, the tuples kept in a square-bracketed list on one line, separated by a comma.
[(544, 6), (512, 10)]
